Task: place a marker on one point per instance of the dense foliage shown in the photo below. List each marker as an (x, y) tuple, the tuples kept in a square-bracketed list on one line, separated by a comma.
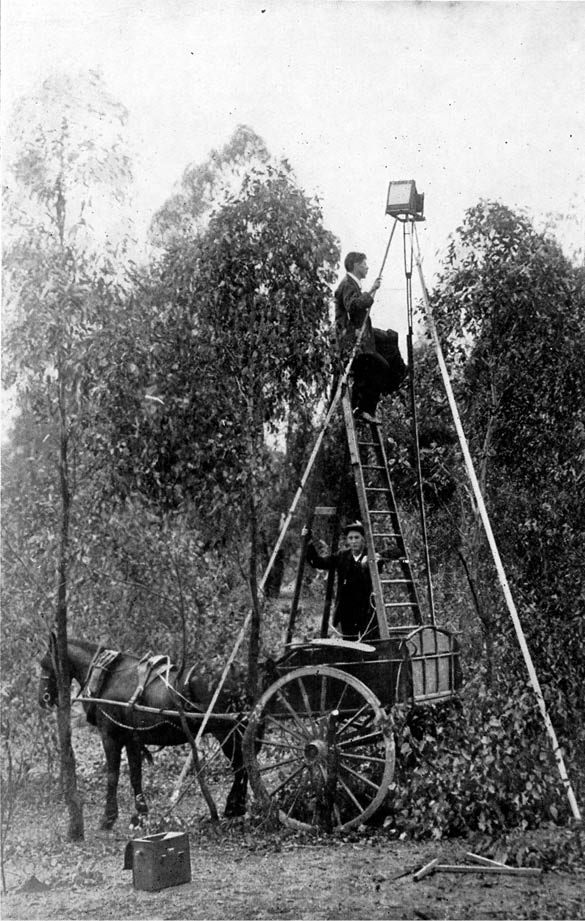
[(484, 765), (512, 309), (230, 339)]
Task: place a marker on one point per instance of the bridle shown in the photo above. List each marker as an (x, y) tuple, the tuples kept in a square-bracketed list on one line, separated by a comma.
[(49, 693)]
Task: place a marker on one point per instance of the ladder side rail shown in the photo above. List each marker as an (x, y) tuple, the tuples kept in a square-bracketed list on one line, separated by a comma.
[(392, 505), (380, 471), (406, 567), (364, 509)]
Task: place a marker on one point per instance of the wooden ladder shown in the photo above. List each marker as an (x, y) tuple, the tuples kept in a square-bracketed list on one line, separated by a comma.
[(394, 588)]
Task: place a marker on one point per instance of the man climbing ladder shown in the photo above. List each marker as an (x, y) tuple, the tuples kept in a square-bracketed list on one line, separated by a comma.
[(378, 367)]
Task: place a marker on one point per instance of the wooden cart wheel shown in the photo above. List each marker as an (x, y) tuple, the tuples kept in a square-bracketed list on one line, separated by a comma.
[(319, 749)]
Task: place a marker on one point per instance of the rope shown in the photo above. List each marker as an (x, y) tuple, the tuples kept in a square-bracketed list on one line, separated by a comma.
[(373, 617)]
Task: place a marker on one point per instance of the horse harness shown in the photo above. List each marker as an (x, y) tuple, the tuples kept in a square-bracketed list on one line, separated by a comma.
[(96, 675), (149, 668)]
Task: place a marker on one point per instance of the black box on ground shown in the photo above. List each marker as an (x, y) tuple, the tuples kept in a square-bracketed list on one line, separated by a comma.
[(159, 861)]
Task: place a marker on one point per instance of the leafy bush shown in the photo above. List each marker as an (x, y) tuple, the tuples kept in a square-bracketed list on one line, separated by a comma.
[(482, 765)]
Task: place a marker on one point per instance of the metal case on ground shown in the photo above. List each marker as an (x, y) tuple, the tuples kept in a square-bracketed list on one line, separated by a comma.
[(159, 861)]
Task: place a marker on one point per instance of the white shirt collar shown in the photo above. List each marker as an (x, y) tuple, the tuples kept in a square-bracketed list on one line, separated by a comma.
[(357, 281)]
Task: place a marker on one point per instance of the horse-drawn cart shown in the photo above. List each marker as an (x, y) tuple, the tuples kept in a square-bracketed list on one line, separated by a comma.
[(319, 746)]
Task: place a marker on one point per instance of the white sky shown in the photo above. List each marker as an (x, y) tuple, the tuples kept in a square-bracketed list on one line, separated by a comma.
[(472, 100)]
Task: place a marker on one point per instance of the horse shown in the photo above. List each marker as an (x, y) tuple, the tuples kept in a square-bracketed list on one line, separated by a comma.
[(124, 678)]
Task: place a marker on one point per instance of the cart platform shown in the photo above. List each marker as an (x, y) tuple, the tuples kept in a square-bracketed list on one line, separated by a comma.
[(416, 665)]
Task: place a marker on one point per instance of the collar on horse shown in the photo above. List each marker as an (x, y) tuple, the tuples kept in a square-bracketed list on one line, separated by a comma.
[(96, 673)]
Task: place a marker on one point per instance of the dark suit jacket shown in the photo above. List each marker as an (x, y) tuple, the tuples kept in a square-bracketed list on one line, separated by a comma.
[(351, 306), (354, 613)]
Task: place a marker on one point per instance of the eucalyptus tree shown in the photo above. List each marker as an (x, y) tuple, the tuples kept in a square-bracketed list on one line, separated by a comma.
[(66, 168), (511, 309), (203, 186), (235, 344), (262, 279)]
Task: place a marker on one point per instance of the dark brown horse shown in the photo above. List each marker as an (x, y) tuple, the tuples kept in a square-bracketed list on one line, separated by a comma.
[(134, 728)]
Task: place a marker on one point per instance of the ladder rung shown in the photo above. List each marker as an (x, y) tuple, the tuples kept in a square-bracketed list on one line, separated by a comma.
[(369, 467), (401, 604)]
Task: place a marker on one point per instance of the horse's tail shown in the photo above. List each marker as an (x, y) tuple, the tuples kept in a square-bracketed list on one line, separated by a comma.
[(145, 754)]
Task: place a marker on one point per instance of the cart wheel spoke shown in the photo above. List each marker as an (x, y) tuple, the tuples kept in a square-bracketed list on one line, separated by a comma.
[(352, 720), (323, 695), (287, 730), (356, 740), (288, 780), (292, 712), (362, 778), (307, 704), (352, 797), (277, 765), (300, 788), (284, 745), (343, 691), (367, 759)]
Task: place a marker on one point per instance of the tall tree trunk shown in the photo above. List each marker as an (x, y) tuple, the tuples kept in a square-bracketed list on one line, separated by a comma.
[(255, 440), (254, 642), (71, 793)]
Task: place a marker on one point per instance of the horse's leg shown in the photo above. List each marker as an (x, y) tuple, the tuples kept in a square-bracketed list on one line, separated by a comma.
[(231, 745), (134, 755), (113, 751)]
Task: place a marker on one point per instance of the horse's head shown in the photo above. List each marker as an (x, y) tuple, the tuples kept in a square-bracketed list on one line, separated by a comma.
[(48, 681)]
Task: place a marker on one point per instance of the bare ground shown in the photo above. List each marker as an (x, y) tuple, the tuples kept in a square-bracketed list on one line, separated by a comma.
[(241, 871)]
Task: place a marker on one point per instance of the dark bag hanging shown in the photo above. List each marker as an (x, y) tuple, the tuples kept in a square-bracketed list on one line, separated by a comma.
[(387, 347)]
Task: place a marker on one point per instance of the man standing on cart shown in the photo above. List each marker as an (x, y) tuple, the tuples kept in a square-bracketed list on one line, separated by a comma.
[(355, 614)]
